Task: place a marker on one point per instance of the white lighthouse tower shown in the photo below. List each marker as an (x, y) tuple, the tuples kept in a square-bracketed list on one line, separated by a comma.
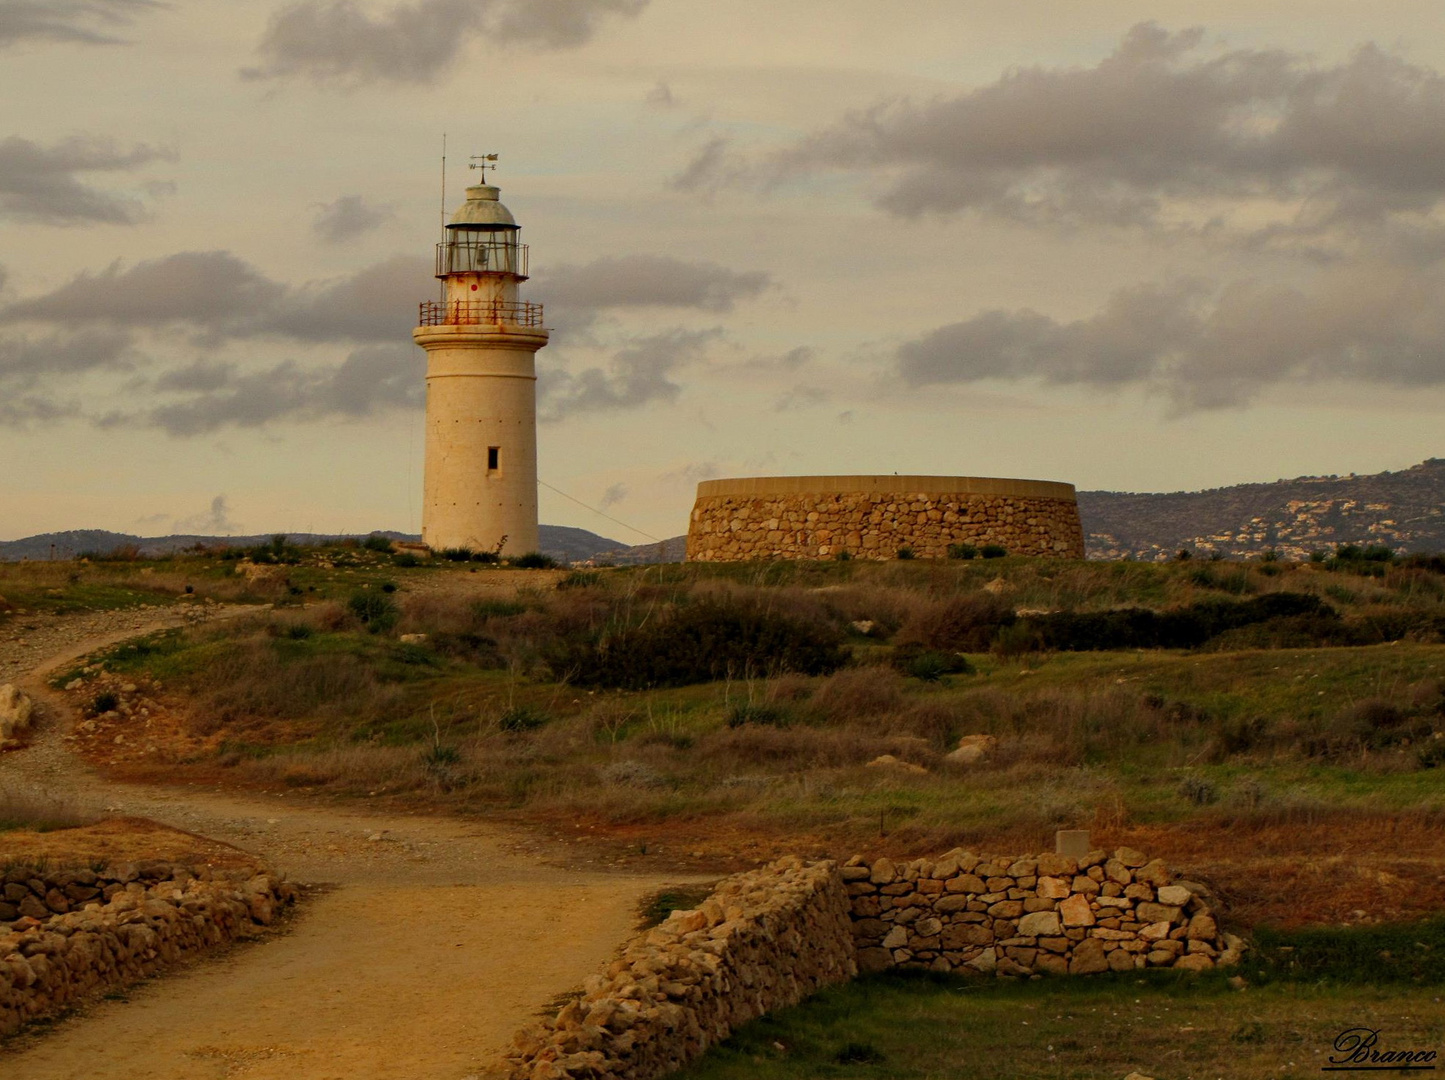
[(481, 341)]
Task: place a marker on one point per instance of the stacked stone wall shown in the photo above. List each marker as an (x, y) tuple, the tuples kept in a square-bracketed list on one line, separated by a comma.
[(1046, 914), (762, 941), (67, 935), (874, 525)]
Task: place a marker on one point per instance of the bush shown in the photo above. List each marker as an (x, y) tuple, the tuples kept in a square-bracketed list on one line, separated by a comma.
[(993, 551), (455, 554), (534, 560), (377, 542), (929, 665), (905, 553), (750, 713), (962, 551), (406, 560), (1179, 628), (377, 611), (965, 623), (104, 702), (707, 640), (522, 718)]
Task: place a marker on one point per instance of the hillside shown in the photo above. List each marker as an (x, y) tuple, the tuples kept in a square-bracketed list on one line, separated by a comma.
[(560, 541), (1403, 510)]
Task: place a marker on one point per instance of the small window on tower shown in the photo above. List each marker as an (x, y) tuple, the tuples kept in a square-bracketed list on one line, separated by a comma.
[(494, 458)]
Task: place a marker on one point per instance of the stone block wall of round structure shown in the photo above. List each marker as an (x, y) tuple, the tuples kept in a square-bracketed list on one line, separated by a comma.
[(872, 517)]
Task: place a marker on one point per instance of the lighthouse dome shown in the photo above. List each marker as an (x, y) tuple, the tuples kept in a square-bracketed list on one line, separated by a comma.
[(483, 210)]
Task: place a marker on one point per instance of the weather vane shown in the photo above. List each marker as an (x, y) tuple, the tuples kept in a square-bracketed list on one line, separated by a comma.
[(483, 162)]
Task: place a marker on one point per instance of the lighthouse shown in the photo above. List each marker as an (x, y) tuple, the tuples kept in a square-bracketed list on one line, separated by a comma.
[(481, 341)]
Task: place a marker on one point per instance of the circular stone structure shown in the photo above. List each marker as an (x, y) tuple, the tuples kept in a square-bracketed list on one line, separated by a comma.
[(873, 517)]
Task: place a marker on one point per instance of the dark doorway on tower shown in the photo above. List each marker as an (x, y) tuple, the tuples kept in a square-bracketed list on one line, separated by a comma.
[(494, 458)]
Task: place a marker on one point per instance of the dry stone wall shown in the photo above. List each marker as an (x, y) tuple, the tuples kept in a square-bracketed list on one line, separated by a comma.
[(68, 935), (769, 938), (1045, 914), (873, 517), (762, 941)]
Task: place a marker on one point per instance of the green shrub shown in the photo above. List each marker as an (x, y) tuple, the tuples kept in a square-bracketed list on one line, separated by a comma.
[(929, 665), (905, 553), (993, 551), (522, 718), (377, 611), (750, 713), (456, 554), (104, 702), (376, 542), (962, 551), (534, 560), (709, 640), (406, 560)]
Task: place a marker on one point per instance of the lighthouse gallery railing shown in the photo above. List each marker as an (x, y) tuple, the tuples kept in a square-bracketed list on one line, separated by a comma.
[(480, 313)]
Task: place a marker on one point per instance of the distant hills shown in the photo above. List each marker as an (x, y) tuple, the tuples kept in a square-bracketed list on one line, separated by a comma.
[(1402, 510), (559, 541)]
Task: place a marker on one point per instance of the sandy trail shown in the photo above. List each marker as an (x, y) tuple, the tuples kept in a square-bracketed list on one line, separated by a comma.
[(438, 940)]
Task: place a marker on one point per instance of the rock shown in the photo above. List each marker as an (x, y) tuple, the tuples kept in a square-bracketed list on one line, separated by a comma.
[(1089, 958), (1130, 857), (1154, 873), (1075, 911), (883, 872), (1148, 913), (863, 626), (1174, 895), (972, 749), (1052, 888), (413, 639), (1203, 928), (985, 961), (15, 712), (1039, 924), (1138, 1076), (888, 761)]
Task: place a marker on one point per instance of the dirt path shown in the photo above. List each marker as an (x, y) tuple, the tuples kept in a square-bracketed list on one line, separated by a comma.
[(437, 942)]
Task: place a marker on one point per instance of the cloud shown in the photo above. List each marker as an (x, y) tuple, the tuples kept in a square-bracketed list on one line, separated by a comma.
[(712, 167), (26, 361), (22, 412), (1209, 346), (650, 281), (87, 22), (639, 374), (349, 217), (417, 42), (214, 521), (612, 496), (370, 381), (1163, 133), (39, 183), (217, 295), (660, 96), (208, 290)]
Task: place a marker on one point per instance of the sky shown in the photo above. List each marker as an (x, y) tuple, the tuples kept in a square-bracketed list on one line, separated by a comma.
[(1129, 246)]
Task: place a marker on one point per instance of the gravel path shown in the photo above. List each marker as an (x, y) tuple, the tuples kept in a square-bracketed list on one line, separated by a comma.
[(438, 940)]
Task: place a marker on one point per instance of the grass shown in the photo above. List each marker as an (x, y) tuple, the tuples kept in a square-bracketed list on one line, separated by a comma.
[(478, 710), (40, 813), (1168, 1027)]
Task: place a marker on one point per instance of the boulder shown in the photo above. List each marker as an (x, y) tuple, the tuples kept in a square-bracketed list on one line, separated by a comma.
[(972, 749), (15, 712)]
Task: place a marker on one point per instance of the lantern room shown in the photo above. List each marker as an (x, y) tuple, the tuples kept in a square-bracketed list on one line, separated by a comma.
[(482, 238)]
